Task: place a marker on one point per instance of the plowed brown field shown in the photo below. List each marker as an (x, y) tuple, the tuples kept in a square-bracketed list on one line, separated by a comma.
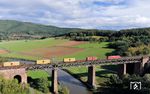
[(3, 52), (57, 50)]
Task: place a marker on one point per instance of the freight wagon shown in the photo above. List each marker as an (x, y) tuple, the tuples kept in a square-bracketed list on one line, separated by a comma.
[(5, 64), (69, 60), (114, 57), (46, 61)]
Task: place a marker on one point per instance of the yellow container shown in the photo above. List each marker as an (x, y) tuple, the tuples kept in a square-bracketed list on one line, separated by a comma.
[(11, 63), (69, 59), (46, 61)]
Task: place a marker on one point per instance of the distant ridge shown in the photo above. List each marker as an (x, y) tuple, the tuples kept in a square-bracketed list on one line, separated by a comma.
[(11, 29)]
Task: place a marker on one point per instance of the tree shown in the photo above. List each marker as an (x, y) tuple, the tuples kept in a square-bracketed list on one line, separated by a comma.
[(146, 51), (122, 85), (12, 87), (43, 84)]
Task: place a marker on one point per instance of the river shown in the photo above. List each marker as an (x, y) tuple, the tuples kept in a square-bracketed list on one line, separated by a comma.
[(74, 85)]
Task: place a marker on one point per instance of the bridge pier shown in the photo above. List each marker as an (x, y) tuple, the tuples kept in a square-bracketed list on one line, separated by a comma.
[(139, 67), (91, 76), (122, 69), (54, 81)]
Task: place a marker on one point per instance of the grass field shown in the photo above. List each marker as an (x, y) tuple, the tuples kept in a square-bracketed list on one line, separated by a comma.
[(38, 49), (37, 74), (15, 49), (92, 49)]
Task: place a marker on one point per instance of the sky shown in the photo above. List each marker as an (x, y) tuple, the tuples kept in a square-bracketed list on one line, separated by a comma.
[(89, 14)]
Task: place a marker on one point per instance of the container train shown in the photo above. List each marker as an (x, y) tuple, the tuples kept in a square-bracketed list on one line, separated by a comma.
[(65, 60)]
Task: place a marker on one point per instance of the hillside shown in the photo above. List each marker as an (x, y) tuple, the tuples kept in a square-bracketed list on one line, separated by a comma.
[(10, 29)]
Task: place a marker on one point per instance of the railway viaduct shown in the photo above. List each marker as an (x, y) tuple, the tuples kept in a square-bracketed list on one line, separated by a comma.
[(131, 65)]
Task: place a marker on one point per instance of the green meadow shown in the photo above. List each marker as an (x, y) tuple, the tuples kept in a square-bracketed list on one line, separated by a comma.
[(89, 49), (92, 49), (16, 47), (38, 74)]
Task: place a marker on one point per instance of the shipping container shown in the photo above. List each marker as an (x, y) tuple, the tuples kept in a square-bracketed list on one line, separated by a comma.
[(91, 58), (114, 57), (46, 61), (69, 59), (94, 58), (17, 63)]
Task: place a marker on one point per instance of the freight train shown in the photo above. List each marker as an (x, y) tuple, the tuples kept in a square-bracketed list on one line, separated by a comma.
[(65, 60)]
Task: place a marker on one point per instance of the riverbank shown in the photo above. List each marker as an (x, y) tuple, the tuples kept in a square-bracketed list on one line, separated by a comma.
[(77, 77), (103, 74)]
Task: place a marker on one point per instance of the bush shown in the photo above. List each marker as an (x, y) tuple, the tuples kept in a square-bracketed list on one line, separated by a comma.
[(12, 87), (42, 84)]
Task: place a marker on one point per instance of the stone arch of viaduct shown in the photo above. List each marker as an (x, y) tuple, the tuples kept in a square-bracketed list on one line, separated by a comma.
[(19, 74)]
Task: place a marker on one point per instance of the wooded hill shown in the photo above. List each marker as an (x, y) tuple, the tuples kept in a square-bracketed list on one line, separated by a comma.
[(10, 29)]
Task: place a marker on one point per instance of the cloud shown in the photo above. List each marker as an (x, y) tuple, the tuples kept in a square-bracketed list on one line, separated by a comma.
[(101, 14)]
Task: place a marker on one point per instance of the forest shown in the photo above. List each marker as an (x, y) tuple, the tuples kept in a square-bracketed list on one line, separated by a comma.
[(129, 42)]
